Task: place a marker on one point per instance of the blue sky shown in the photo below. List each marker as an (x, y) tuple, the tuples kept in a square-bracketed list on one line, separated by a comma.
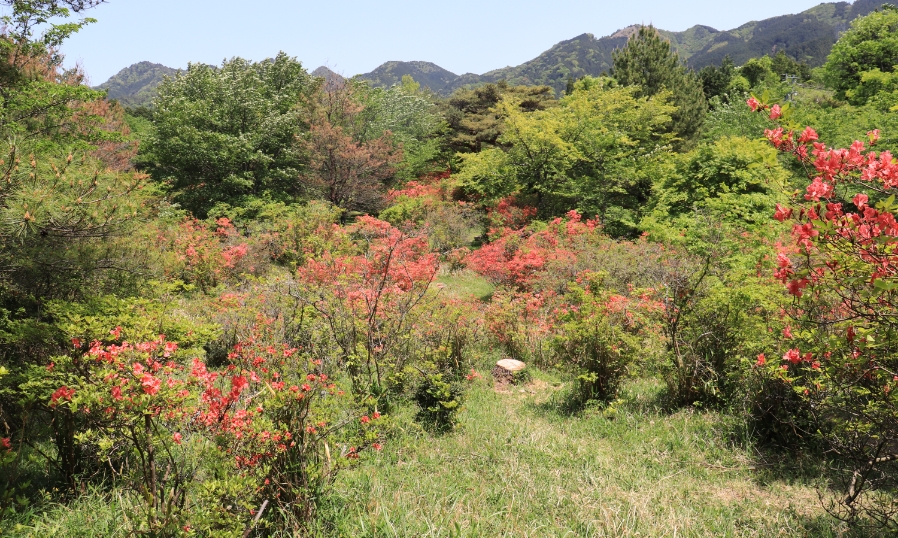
[(355, 36)]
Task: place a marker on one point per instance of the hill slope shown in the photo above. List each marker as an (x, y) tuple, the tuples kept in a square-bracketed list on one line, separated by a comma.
[(807, 36), (427, 74)]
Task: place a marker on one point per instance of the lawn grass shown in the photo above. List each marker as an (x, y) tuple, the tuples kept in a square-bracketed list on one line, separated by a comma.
[(517, 466)]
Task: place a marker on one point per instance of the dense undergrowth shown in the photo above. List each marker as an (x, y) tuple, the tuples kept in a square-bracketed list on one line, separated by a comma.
[(270, 305)]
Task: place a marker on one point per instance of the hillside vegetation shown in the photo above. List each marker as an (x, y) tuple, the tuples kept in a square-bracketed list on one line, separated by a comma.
[(278, 303)]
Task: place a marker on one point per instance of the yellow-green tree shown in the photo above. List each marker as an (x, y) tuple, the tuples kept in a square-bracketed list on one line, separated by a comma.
[(596, 152)]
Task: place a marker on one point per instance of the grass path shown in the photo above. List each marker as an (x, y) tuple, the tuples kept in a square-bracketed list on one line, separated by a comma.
[(517, 467)]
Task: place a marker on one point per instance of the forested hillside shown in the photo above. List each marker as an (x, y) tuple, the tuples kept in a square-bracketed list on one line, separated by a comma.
[(661, 302), (136, 85)]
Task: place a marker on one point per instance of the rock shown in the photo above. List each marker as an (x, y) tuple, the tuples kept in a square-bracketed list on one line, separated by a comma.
[(511, 365), (508, 371)]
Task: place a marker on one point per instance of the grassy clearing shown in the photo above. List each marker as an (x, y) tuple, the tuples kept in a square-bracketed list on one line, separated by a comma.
[(518, 467), (466, 283)]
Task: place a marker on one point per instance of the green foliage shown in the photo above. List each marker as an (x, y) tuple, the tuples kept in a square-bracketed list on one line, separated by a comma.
[(649, 63), (38, 97), (772, 69), (592, 150), (473, 123), (597, 339), (736, 179), (783, 64), (411, 119), (226, 134), (716, 80), (877, 88), (840, 123), (733, 119), (871, 43), (64, 218), (443, 365), (438, 401), (726, 323)]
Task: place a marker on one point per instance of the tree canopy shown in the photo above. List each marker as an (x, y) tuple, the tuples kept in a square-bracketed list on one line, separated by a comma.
[(590, 152), (871, 44), (224, 134), (649, 63)]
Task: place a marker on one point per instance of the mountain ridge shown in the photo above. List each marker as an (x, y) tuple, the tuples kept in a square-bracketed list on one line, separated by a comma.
[(807, 36)]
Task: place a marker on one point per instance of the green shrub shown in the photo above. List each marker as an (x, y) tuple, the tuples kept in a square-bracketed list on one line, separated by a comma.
[(598, 338)]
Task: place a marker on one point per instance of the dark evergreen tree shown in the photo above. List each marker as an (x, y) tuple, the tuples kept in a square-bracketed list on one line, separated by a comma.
[(473, 125), (716, 80), (782, 64), (649, 62)]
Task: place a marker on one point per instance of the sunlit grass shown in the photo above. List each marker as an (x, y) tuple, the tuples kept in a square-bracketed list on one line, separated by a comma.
[(466, 284), (518, 466)]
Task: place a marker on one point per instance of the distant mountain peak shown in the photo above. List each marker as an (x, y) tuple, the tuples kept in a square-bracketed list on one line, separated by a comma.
[(328, 75), (136, 84), (428, 74), (626, 32)]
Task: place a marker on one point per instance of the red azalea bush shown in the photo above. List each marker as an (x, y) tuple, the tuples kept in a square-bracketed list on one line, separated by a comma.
[(426, 208), (568, 300), (516, 257), (842, 270), (201, 448), (367, 302), (203, 255)]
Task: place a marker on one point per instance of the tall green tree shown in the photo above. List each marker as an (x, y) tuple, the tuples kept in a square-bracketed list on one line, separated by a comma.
[(37, 96), (226, 134), (413, 121), (597, 152), (870, 44), (649, 63)]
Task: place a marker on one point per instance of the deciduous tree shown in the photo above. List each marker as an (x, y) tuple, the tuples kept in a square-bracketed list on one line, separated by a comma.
[(225, 135)]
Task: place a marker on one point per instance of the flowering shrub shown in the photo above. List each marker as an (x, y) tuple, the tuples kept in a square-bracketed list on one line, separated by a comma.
[(598, 336), (288, 425), (368, 301), (426, 208), (517, 256), (128, 402), (509, 214), (841, 271), (200, 448), (201, 255)]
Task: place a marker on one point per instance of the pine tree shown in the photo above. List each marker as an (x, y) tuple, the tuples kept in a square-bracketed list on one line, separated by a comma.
[(716, 80), (649, 62)]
